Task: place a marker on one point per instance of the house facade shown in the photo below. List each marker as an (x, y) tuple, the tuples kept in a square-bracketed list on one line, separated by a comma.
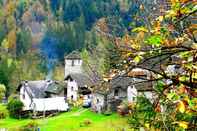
[(42, 96)]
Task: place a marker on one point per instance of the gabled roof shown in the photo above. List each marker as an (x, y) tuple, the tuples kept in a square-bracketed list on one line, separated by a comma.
[(82, 79), (35, 89), (73, 55), (139, 83), (121, 81), (38, 89)]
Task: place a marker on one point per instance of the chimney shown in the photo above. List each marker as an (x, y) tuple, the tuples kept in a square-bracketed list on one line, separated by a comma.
[(26, 83), (49, 81)]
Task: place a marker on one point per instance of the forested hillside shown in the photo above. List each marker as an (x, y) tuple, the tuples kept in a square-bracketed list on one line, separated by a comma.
[(36, 34)]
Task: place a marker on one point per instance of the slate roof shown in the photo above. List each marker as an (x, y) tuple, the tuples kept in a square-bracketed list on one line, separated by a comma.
[(35, 89), (123, 82), (38, 89), (54, 88), (73, 55), (82, 79)]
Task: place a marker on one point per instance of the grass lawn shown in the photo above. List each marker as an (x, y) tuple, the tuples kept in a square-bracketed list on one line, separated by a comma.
[(71, 121)]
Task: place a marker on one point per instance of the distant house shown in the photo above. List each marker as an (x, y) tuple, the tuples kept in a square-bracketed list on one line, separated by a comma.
[(109, 95), (42, 95), (78, 84), (77, 81)]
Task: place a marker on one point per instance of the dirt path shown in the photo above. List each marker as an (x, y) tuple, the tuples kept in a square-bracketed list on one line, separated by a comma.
[(79, 112)]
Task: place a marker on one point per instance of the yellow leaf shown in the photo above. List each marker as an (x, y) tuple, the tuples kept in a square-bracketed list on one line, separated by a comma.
[(2, 88), (5, 44), (140, 29), (170, 13), (194, 46), (147, 125), (181, 107), (183, 124), (12, 39), (137, 59), (9, 62), (160, 18)]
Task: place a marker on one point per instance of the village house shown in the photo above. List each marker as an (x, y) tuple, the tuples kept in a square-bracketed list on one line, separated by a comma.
[(42, 95), (109, 95), (77, 81)]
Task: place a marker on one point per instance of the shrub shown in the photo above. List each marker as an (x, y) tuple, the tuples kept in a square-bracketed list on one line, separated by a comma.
[(15, 108), (13, 96), (86, 122), (107, 113), (123, 109), (31, 126), (2, 91), (3, 113)]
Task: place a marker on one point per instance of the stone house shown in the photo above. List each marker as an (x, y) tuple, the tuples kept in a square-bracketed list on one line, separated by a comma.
[(42, 96), (109, 95)]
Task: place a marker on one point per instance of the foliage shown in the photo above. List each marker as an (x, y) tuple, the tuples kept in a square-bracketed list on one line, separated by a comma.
[(31, 126), (2, 91), (86, 122), (124, 108), (23, 42), (3, 113), (6, 69), (15, 107), (142, 113), (168, 51), (107, 113)]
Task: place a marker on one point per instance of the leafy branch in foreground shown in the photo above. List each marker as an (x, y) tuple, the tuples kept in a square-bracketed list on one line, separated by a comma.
[(169, 51)]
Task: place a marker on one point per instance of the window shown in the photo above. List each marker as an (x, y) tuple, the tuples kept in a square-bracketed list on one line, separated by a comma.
[(97, 101), (23, 95), (116, 92), (73, 63), (134, 99), (71, 97), (72, 88)]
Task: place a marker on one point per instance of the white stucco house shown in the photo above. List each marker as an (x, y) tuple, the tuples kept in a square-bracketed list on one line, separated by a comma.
[(42, 96), (77, 81), (120, 88)]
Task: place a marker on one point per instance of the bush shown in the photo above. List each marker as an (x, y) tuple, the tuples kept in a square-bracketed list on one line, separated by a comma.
[(15, 108), (13, 96), (31, 126), (86, 122), (2, 91), (107, 113), (3, 113)]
